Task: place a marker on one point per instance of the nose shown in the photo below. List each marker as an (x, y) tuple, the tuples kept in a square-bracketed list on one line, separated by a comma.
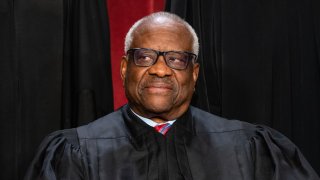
[(160, 68)]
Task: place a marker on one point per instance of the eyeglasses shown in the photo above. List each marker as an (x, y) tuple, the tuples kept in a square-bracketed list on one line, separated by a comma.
[(148, 57)]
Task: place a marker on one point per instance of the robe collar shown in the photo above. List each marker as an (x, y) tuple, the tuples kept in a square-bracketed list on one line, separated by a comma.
[(139, 131)]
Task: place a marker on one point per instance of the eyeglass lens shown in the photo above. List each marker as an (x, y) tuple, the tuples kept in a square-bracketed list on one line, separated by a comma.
[(148, 57)]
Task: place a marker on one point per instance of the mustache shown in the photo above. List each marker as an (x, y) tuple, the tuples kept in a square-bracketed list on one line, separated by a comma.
[(158, 82)]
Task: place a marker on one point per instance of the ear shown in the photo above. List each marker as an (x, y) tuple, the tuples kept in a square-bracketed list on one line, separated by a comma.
[(123, 69), (195, 72)]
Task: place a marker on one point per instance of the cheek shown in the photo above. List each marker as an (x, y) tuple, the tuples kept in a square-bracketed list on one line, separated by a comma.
[(186, 83), (131, 77), (132, 80)]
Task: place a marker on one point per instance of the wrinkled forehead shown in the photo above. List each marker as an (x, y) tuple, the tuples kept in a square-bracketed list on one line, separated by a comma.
[(162, 29), (159, 22)]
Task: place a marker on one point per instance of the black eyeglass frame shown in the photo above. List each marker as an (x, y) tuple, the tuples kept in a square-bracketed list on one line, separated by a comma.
[(192, 57)]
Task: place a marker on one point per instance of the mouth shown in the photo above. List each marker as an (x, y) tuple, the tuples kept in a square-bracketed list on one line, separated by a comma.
[(158, 88)]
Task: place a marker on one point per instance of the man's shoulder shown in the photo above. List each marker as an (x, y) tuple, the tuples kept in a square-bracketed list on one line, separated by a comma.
[(208, 122), (109, 126)]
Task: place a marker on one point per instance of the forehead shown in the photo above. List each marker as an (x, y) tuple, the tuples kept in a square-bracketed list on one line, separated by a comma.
[(162, 36)]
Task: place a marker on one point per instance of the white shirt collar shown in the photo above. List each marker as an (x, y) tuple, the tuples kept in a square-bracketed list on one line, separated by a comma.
[(150, 122)]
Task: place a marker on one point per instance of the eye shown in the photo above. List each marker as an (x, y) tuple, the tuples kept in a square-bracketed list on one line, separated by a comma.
[(144, 57), (177, 59)]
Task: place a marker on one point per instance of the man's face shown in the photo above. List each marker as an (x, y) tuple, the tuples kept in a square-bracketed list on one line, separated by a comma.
[(160, 92)]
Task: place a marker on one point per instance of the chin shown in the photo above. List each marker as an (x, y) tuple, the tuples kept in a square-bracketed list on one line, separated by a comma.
[(158, 103), (158, 109)]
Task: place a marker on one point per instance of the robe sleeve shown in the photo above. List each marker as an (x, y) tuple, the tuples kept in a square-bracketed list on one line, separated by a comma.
[(58, 157), (275, 157)]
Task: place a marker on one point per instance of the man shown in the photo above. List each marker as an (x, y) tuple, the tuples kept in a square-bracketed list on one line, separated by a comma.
[(159, 72)]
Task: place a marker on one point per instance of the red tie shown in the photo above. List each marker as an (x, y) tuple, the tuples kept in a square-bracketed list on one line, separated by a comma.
[(163, 128)]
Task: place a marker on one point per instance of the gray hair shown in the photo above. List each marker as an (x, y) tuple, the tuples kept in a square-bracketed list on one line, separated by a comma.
[(129, 36)]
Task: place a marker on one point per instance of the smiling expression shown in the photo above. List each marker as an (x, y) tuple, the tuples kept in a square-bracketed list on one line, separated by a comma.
[(159, 92)]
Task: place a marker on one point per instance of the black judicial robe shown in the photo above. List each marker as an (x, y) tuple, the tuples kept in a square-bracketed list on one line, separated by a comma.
[(198, 146)]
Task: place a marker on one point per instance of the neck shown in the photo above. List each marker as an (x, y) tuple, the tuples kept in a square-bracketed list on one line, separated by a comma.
[(158, 120), (160, 117)]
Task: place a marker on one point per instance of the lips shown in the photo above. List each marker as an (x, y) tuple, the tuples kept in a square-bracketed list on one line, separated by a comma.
[(158, 88), (157, 85)]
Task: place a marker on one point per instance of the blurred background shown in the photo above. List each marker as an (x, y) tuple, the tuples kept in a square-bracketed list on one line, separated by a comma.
[(60, 64)]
